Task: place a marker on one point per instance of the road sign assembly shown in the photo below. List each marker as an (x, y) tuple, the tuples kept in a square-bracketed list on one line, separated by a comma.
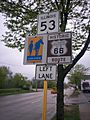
[(35, 49), (48, 23), (59, 50), (48, 48), (45, 72)]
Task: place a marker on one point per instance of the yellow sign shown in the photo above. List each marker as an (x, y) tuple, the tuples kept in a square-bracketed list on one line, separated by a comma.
[(35, 45), (34, 49)]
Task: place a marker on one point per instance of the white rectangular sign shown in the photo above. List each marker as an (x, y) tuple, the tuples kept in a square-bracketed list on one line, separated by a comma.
[(45, 72), (48, 23), (59, 48)]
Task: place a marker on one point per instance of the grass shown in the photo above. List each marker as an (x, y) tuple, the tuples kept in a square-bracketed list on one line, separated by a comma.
[(13, 91), (71, 113)]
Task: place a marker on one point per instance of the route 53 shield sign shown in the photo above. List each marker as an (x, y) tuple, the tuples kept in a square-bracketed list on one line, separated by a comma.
[(48, 23)]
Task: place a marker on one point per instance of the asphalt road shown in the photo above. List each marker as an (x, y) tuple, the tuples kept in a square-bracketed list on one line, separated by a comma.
[(26, 106)]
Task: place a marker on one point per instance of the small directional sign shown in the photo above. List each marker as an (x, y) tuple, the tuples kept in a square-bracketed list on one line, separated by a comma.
[(45, 72)]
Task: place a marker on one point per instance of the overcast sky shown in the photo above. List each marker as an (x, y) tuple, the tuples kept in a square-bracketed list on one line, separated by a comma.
[(14, 59)]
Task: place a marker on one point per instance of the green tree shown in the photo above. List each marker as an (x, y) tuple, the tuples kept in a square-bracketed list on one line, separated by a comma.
[(77, 74), (21, 17), (19, 81), (27, 84), (51, 84), (5, 76)]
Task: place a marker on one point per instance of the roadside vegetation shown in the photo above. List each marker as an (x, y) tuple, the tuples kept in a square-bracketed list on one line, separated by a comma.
[(71, 112), (76, 75), (17, 83), (13, 91), (13, 83)]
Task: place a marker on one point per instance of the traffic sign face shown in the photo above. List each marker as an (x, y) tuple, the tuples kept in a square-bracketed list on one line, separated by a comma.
[(59, 50), (48, 23), (35, 49), (45, 72)]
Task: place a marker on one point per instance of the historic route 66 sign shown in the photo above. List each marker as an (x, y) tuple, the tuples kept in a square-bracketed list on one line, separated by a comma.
[(59, 49)]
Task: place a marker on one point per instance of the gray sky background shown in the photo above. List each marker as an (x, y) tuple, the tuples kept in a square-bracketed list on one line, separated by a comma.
[(14, 59)]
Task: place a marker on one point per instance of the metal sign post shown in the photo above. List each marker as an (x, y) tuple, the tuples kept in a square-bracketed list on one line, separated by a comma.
[(44, 101), (45, 72)]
